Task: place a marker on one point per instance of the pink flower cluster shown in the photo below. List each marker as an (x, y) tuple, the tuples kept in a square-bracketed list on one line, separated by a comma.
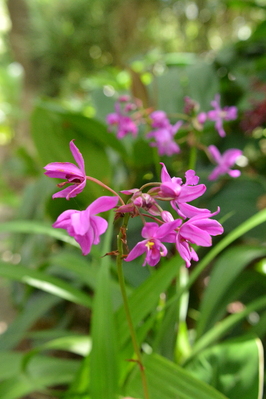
[(121, 118), (162, 131), (84, 226), (218, 115), (193, 225), (163, 134)]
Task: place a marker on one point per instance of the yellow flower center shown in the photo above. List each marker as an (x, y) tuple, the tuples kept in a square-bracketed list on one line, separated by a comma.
[(149, 244)]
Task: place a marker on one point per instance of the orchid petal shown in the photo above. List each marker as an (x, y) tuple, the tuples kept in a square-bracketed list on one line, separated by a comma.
[(189, 193), (61, 170), (165, 177), (102, 204), (149, 230), (216, 155), (139, 249), (195, 235), (234, 173), (77, 156)]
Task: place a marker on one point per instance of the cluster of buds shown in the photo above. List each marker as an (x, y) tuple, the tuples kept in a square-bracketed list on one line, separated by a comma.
[(192, 226)]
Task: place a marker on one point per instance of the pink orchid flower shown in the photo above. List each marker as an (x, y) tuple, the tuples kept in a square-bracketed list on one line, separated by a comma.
[(197, 230), (152, 245), (180, 194), (225, 161), (124, 123), (84, 226), (219, 114), (74, 175), (164, 134)]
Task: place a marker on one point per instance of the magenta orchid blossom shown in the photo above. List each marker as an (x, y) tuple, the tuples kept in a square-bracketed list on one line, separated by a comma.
[(197, 230), (74, 175), (163, 134), (180, 194), (152, 245), (218, 115), (123, 122), (85, 226), (225, 161)]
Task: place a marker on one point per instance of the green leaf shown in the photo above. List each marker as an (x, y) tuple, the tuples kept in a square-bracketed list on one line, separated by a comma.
[(240, 197), (104, 354), (34, 227), (169, 381), (224, 326), (222, 278), (234, 367), (145, 298), (203, 83), (31, 312), (87, 271), (249, 224), (10, 364), (44, 282), (42, 373), (77, 344)]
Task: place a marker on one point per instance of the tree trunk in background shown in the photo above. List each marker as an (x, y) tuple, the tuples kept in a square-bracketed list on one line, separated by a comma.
[(19, 43)]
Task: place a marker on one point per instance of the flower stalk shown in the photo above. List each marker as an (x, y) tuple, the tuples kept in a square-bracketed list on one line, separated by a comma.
[(119, 263)]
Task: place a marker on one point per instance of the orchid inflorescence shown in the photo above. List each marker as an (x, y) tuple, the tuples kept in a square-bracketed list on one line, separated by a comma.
[(192, 226), (129, 116)]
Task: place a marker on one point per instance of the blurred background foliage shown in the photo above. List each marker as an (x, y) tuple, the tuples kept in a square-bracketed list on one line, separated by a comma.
[(63, 65)]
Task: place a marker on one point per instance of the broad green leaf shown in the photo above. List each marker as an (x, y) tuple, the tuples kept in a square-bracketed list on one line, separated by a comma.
[(40, 228), (57, 127), (171, 333), (169, 381), (10, 364), (42, 372), (77, 344), (260, 328), (240, 196), (31, 312), (222, 277), (234, 367), (87, 271), (104, 353), (145, 298), (202, 83), (104, 364), (47, 283), (224, 326), (249, 224)]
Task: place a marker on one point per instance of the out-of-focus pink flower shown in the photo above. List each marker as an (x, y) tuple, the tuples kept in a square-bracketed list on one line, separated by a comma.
[(152, 245), (180, 194), (202, 117), (74, 175), (84, 226), (159, 119), (198, 230), (221, 114), (124, 123), (163, 134), (225, 161)]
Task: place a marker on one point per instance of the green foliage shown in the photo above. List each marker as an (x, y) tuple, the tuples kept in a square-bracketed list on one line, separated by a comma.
[(201, 331), (234, 367)]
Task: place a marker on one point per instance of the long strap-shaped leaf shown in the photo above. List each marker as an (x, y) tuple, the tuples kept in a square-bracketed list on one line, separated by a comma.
[(42, 281), (246, 226), (37, 227)]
